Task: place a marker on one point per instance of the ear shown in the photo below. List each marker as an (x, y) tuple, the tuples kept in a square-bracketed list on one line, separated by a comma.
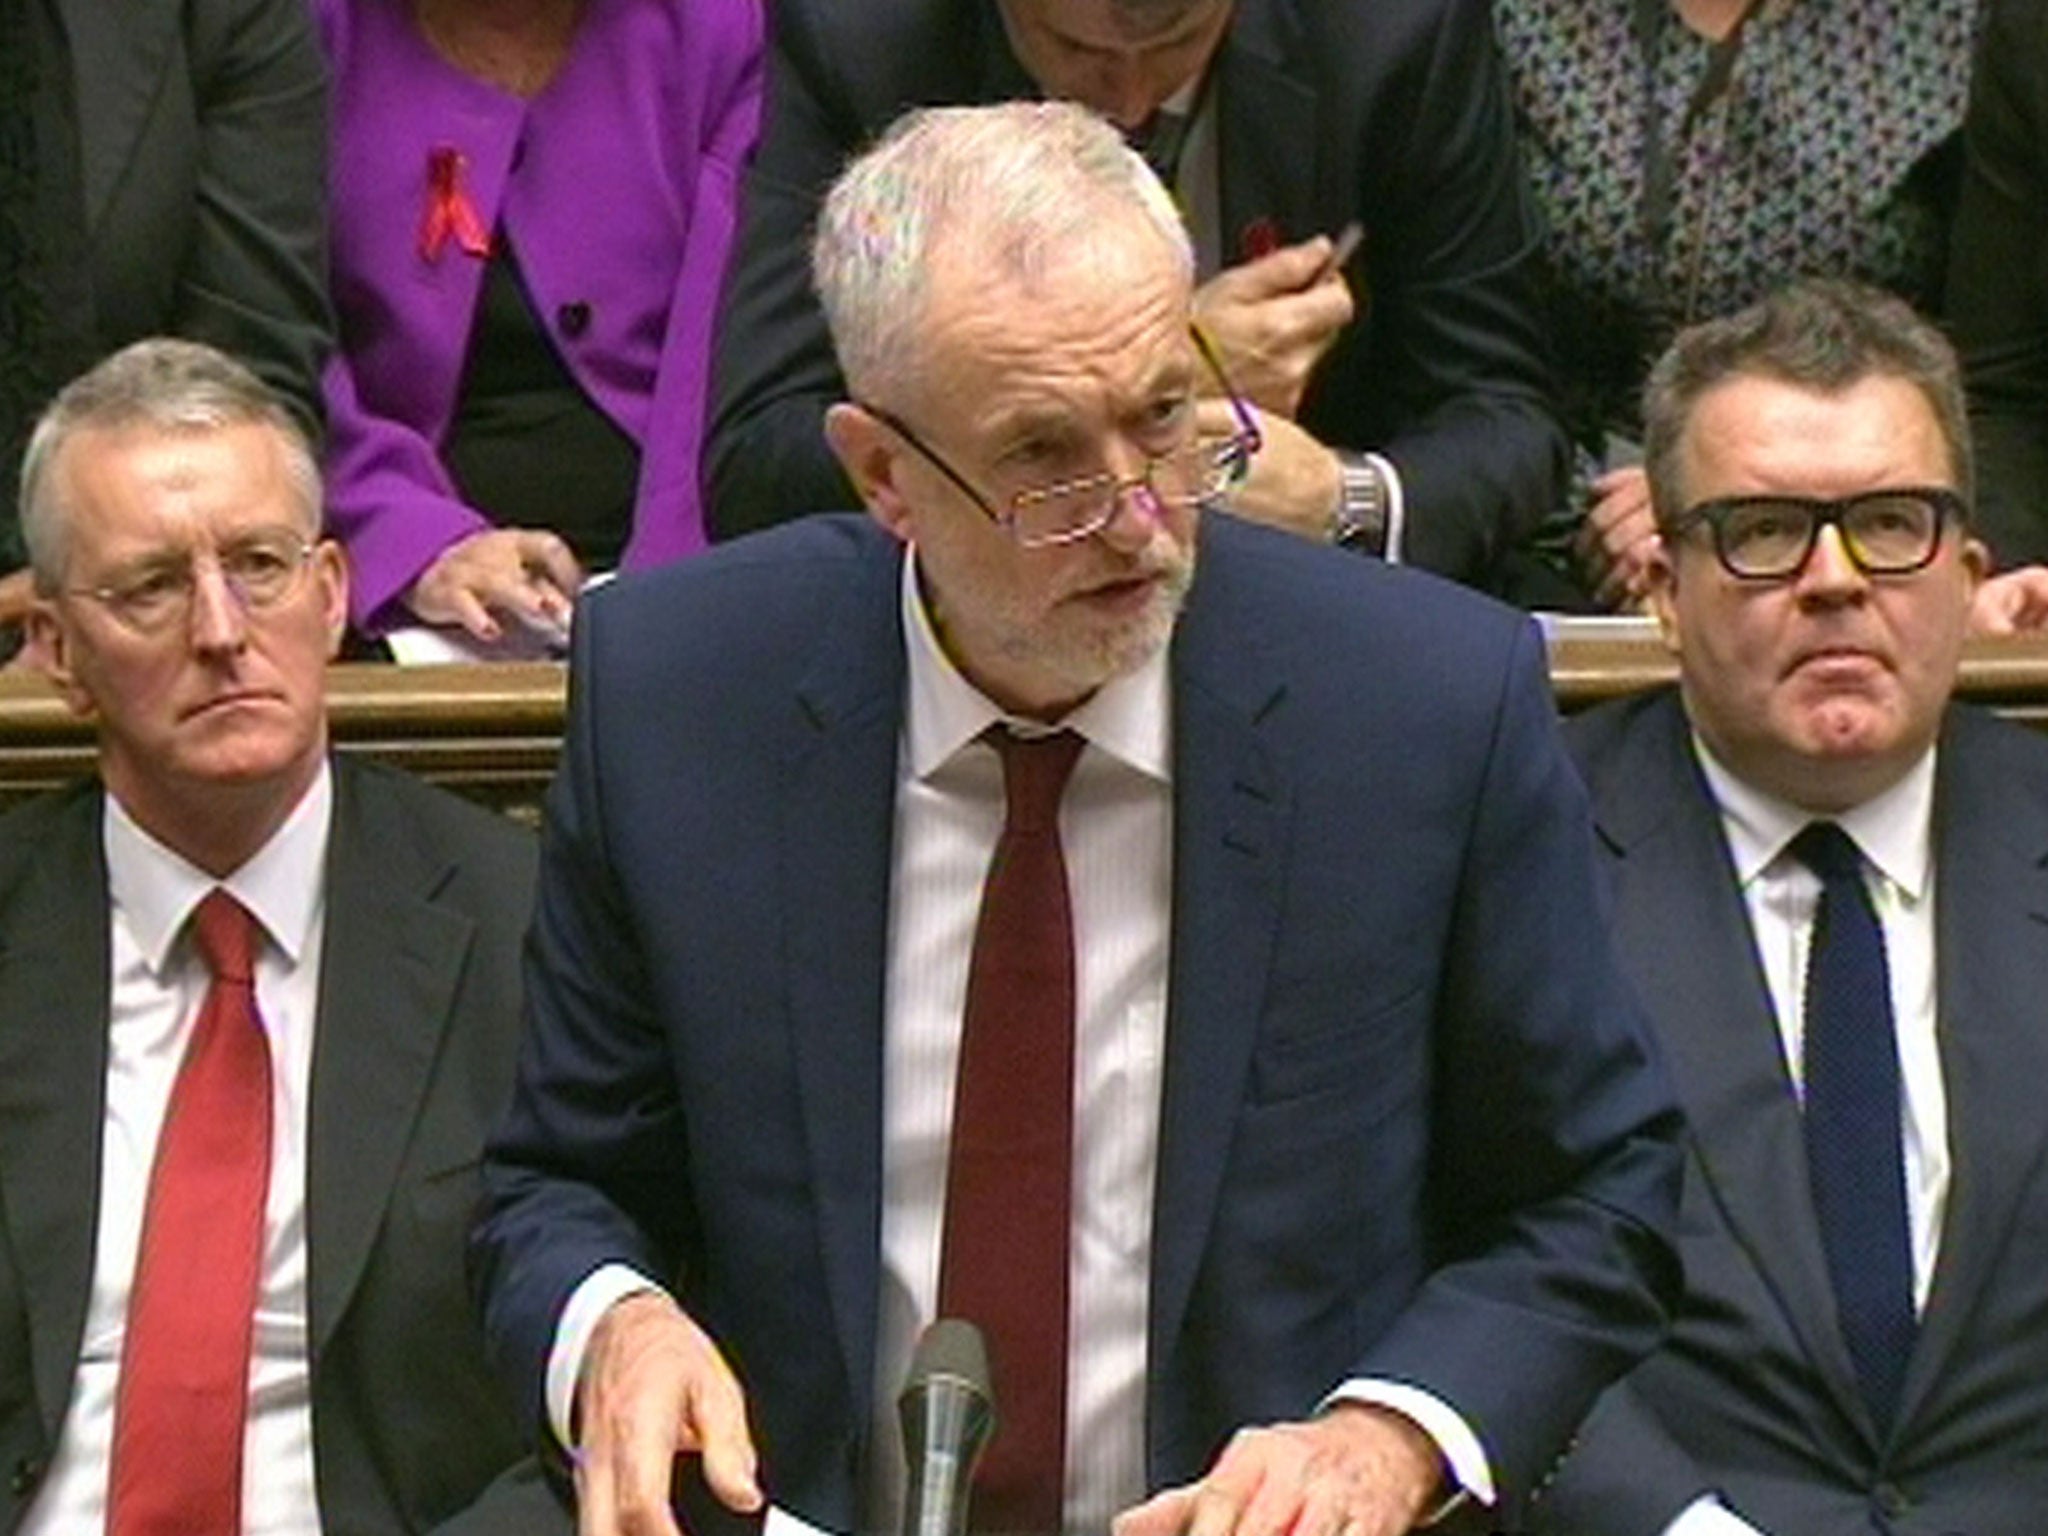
[(1661, 595), (873, 458), (49, 641), (1975, 558), (330, 576)]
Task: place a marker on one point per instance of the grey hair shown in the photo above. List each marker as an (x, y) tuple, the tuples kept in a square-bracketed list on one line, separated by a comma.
[(1821, 334), (1021, 181), (161, 382)]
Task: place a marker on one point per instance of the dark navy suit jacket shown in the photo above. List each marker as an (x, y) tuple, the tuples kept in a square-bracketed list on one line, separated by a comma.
[(1755, 1396), (1410, 1125)]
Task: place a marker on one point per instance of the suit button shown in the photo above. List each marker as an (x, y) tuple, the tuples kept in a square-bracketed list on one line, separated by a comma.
[(573, 318), (1891, 1500), (22, 1480)]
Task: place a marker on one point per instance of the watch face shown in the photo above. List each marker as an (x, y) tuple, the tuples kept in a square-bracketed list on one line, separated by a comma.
[(1361, 512)]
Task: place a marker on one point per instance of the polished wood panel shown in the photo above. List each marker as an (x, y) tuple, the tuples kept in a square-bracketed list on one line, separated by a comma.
[(492, 732)]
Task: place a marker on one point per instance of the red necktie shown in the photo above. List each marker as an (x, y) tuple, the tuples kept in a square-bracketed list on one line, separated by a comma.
[(1009, 1178), (184, 1393)]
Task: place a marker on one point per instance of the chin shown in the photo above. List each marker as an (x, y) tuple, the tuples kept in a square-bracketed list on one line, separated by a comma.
[(245, 763)]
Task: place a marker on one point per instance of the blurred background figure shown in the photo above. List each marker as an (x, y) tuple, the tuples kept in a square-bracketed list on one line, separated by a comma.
[(1361, 227), (161, 166), (1688, 157), (1998, 284), (532, 204)]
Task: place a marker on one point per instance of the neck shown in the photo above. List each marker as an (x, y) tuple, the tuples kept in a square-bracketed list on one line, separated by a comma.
[(516, 45), (215, 827), (1712, 19)]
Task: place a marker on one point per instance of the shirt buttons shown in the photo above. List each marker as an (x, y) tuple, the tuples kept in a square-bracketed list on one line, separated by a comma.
[(573, 318)]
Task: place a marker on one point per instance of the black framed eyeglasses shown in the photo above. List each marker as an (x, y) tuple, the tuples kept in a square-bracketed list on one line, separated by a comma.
[(260, 569), (1892, 532), (1068, 511)]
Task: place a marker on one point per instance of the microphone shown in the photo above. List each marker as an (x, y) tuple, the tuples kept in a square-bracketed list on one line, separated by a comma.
[(948, 1413)]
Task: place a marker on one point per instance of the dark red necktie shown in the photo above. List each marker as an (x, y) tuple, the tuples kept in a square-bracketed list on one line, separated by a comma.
[(183, 1400), (1009, 1176)]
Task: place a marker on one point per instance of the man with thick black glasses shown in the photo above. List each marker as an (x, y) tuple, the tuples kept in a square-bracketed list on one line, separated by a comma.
[(1829, 886), (1053, 902)]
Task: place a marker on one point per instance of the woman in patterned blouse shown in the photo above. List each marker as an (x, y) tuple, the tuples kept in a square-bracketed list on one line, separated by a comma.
[(1690, 155)]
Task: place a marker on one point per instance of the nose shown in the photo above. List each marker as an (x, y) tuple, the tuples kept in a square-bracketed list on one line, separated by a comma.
[(1137, 515), (220, 623), (1830, 573)]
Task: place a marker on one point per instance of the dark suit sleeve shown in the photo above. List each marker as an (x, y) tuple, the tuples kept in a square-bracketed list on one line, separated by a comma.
[(1555, 1155), (1454, 386), (254, 280), (1998, 281), (773, 369), (590, 1165)]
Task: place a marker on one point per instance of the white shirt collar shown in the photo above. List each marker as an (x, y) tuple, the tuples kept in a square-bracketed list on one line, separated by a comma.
[(1893, 829), (156, 888), (1128, 717)]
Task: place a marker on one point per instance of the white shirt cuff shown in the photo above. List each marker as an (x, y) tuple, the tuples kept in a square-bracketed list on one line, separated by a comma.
[(1397, 505), (587, 1303), (1461, 1449), (1708, 1516)]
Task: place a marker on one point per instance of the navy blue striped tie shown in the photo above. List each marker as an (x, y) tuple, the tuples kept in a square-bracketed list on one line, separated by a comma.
[(1853, 1142)]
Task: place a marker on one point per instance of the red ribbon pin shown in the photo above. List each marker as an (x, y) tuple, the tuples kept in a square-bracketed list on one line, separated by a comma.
[(449, 210)]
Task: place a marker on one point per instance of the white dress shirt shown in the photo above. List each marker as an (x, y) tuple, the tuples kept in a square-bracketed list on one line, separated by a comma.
[(1893, 831), (1116, 830), (159, 982)]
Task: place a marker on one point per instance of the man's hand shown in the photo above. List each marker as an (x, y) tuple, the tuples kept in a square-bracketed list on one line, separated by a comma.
[(527, 573), (1273, 319), (2013, 602), (1358, 1470), (653, 1387), (1294, 479)]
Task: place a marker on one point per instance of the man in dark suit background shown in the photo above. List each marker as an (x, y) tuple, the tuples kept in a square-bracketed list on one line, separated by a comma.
[(165, 174), (1369, 1167), (1404, 396), (231, 1288), (1867, 1353)]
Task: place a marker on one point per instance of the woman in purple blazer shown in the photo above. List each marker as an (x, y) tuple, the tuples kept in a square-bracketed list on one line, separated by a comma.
[(531, 209)]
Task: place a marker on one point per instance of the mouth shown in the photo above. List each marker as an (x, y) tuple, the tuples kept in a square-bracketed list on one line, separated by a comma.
[(221, 703), (1117, 593), (1837, 660)]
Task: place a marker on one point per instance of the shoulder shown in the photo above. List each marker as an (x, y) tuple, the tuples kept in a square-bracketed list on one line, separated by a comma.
[(249, 41), (698, 37), (880, 56), (1310, 600), (768, 577), (60, 827), (745, 615), (1995, 751), (1388, 33), (394, 815), (1599, 736)]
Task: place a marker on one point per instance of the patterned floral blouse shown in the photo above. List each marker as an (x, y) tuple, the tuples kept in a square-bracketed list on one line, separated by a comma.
[(1833, 150)]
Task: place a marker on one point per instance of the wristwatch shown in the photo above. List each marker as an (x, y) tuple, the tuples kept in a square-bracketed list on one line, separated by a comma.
[(1359, 520)]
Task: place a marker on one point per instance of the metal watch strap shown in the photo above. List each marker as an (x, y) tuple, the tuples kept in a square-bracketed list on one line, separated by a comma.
[(1359, 520)]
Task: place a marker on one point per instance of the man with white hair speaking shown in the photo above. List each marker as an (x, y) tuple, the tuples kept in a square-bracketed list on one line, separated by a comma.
[(1163, 942)]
